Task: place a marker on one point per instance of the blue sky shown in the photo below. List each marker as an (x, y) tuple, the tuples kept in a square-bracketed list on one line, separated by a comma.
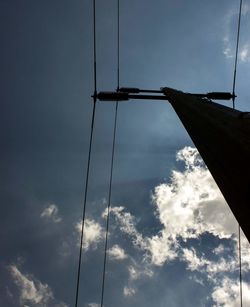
[(173, 240)]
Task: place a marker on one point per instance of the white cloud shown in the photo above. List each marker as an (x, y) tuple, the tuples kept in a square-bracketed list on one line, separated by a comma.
[(228, 47), (136, 271), (245, 252), (127, 224), (32, 291), (92, 234), (229, 40), (227, 51), (154, 247), (194, 262), (197, 280), (219, 249), (51, 212), (244, 55), (189, 206), (133, 273), (227, 294), (93, 305), (117, 253), (210, 268), (129, 291), (161, 248), (245, 9)]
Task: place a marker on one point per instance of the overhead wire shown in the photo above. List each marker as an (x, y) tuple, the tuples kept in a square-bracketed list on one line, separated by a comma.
[(89, 159), (118, 45), (112, 159), (108, 208), (234, 84), (236, 53), (240, 265)]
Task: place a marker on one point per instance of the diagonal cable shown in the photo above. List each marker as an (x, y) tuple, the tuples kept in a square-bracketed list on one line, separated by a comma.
[(89, 160), (118, 45), (236, 53), (240, 266), (112, 156), (84, 205), (108, 208)]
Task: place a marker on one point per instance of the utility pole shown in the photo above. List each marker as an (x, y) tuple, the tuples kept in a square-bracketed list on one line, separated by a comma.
[(221, 135)]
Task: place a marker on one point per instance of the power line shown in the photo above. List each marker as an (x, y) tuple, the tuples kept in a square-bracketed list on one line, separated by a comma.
[(236, 53), (118, 45), (240, 266), (109, 205), (112, 156), (89, 159), (94, 35), (84, 204), (234, 83)]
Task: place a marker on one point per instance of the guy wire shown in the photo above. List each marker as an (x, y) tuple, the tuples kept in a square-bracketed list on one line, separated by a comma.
[(89, 159)]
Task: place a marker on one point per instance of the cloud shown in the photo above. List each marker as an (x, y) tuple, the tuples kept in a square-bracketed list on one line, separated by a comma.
[(244, 55), (133, 273), (137, 272), (219, 249), (51, 212), (227, 51), (191, 204), (32, 291), (194, 262), (117, 253), (228, 47), (210, 268), (92, 234), (161, 248), (227, 294), (245, 9), (245, 252), (154, 247), (128, 291), (189, 207), (127, 224), (229, 40)]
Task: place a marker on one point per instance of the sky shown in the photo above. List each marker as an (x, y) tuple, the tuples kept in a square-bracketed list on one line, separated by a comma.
[(173, 239)]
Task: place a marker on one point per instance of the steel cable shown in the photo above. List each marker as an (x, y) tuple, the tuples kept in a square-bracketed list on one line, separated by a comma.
[(240, 266), (112, 158), (236, 53), (89, 159)]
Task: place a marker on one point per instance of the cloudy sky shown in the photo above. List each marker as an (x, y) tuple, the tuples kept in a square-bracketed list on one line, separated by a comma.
[(173, 240)]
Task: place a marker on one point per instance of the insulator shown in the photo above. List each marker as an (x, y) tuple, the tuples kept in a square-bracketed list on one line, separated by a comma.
[(112, 96), (220, 95)]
